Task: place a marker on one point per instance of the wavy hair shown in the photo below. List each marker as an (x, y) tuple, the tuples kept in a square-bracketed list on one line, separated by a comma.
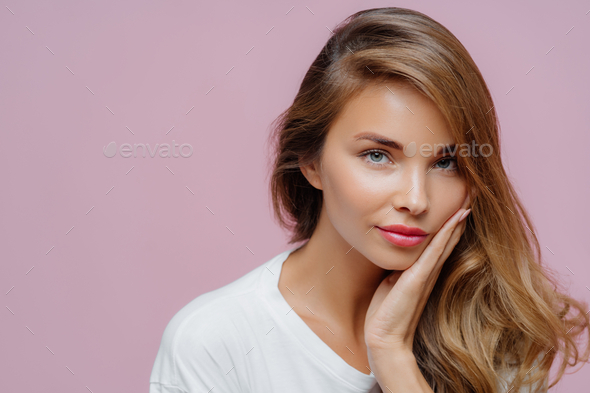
[(496, 307)]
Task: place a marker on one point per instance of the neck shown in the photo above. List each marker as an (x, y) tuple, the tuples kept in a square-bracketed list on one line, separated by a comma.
[(336, 282)]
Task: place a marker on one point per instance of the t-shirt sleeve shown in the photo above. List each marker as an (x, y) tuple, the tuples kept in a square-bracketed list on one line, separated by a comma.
[(198, 353)]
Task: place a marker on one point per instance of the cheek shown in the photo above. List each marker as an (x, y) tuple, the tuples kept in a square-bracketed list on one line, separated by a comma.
[(350, 195), (446, 198)]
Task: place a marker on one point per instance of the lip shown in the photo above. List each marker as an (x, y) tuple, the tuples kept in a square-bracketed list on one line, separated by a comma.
[(402, 235), (404, 230)]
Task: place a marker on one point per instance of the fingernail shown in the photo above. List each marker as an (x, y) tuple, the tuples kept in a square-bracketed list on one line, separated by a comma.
[(464, 215)]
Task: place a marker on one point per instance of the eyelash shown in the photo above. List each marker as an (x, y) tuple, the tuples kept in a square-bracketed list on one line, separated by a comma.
[(366, 153)]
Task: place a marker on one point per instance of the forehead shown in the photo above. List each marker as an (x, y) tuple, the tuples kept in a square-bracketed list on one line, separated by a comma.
[(394, 109)]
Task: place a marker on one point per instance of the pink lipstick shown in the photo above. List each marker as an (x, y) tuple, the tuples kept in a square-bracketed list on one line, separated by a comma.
[(402, 235)]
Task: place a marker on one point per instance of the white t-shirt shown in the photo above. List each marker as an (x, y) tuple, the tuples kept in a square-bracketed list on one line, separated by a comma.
[(244, 337)]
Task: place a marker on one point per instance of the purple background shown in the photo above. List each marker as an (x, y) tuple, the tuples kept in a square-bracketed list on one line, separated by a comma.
[(98, 302)]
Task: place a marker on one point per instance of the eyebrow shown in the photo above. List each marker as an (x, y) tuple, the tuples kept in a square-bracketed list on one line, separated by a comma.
[(371, 136), (447, 148), (379, 139)]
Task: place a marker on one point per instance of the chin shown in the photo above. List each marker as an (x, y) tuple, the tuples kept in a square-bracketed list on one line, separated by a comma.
[(394, 261), (401, 266), (401, 260)]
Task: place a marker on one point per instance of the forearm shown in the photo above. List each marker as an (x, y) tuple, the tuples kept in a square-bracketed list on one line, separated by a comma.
[(398, 372)]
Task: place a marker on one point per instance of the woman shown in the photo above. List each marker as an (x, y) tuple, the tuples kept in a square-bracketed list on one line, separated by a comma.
[(419, 270)]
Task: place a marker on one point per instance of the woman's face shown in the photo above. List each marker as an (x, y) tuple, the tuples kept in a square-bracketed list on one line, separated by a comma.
[(367, 184)]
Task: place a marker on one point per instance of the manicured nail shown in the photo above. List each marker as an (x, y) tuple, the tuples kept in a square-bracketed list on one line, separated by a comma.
[(464, 215)]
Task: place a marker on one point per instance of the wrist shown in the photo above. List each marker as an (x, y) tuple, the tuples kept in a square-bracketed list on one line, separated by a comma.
[(400, 352), (400, 356)]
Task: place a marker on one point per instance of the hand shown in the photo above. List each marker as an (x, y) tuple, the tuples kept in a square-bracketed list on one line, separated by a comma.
[(398, 302)]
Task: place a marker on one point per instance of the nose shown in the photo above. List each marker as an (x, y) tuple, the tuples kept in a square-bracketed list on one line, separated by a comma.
[(410, 193)]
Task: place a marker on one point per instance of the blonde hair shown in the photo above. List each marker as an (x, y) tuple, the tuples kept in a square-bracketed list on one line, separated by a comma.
[(495, 308)]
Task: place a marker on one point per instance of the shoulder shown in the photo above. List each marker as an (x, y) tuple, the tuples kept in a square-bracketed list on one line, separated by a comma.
[(210, 318), (197, 352), (204, 337)]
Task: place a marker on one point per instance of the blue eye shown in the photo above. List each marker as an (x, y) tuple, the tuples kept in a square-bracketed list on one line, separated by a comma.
[(448, 164), (379, 156)]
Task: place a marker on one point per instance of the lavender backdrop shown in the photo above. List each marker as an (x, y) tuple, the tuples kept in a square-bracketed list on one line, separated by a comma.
[(99, 253)]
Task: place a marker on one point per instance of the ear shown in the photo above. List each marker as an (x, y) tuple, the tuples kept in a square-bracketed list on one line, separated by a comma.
[(312, 174)]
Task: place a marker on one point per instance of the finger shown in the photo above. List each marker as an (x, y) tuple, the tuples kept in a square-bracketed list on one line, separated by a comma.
[(454, 239), (431, 254), (429, 278), (442, 237), (444, 234)]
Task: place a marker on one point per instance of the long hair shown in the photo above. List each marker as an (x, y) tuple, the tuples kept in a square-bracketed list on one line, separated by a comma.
[(496, 307)]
